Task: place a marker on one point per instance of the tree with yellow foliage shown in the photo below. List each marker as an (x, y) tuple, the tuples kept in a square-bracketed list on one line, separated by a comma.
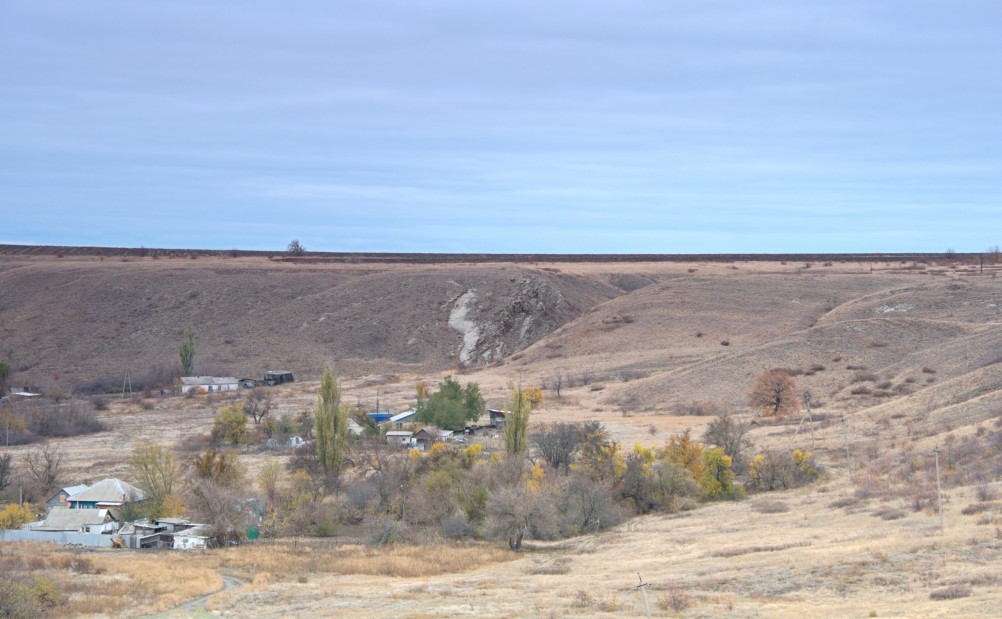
[(535, 397), (15, 516)]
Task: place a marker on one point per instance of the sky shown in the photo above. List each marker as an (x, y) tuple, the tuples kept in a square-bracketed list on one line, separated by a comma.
[(628, 126)]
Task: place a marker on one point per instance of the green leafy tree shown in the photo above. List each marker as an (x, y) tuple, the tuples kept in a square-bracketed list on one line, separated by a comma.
[(186, 352), (330, 425), (516, 425), (452, 405), (230, 425)]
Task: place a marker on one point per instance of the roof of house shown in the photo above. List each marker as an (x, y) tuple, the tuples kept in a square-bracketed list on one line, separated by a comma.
[(72, 519), (403, 416), (208, 380), (110, 490), (173, 521), (71, 490), (199, 530), (354, 428), (399, 433)]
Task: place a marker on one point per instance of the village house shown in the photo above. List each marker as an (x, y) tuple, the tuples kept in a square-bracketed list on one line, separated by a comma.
[(424, 438), (78, 521), (208, 384), (400, 419), (398, 437), (107, 493), (61, 498)]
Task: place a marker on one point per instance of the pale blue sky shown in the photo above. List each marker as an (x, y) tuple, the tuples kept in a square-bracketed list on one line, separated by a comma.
[(436, 126)]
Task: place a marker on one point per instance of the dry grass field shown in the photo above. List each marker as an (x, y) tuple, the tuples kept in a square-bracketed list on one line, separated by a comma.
[(899, 358)]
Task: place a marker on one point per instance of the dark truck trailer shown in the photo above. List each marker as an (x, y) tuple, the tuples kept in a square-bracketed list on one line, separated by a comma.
[(278, 377)]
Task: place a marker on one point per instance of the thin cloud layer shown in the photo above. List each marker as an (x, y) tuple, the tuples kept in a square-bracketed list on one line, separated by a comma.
[(625, 127)]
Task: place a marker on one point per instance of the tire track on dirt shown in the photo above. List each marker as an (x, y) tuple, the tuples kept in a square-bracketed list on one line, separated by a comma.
[(196, 607)]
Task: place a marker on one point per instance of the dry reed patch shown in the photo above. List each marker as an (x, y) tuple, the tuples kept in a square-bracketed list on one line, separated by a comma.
[(288, 562), (747, 550), (107, 582)]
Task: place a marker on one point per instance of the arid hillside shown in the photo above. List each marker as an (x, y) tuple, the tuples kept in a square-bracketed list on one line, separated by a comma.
[(71, 321)]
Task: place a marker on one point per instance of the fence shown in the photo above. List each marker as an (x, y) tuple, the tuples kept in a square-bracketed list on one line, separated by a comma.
[(96, 540)]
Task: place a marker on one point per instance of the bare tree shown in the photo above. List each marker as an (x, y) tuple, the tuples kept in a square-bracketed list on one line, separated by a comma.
[(217, 505), (257, 404), (732, 435), (772, 470), (6, 470), (558, 443), (44, 467), (296, 248), (514, 512), (587, 506), (157, 471)]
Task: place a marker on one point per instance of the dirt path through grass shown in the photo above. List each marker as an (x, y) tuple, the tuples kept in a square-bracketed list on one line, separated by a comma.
[(196, 607)]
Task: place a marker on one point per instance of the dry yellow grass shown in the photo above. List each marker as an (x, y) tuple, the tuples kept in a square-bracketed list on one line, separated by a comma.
[(129, 583), (110, 582)]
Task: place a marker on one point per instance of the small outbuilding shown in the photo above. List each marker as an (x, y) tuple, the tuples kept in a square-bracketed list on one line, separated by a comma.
[(198, 536), (497, 417), (208, 384), (423, 439), (398, 437), (278, 377)]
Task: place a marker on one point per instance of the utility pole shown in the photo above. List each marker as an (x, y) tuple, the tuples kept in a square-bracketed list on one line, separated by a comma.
[(643, 591), (806, 417), (127, 381), (939, 493), (845, 437), (810, 420)]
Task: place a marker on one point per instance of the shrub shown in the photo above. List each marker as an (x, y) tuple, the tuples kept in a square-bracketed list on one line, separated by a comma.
[(770, 506), (674, 598), (950, 593), (388, 532), (14, 516), (456, 526), (864, 377), (230, 425), (16, 599), (698, 408), (47, 593)]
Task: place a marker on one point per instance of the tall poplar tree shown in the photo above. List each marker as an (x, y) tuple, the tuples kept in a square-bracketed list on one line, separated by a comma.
[(330, 425), (516, 424), (186, 352)]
